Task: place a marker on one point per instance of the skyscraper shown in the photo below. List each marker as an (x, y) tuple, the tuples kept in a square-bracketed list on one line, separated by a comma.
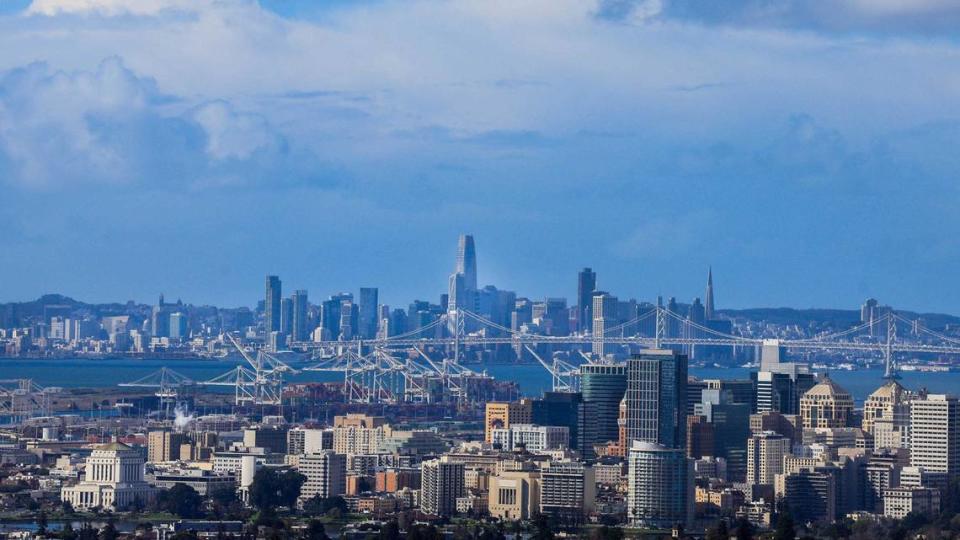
[(826, 405), (660, 486), (708, 297), (467, 261), (602, 387), (935, 434), (442, 482), (300, 330), (657, 398), (586, 285), (369, 298), (271, 305), (286, 316), (605, 309)]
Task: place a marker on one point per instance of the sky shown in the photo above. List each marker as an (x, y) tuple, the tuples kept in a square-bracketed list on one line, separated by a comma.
[(807, 151)]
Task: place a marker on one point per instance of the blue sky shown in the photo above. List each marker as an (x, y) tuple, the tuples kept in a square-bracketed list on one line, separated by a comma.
[(806, 150)]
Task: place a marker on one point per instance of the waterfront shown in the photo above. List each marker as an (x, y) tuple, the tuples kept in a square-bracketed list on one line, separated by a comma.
[(532, 378)]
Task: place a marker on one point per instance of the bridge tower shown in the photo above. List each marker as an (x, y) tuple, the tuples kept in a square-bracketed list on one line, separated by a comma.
[(890, 368)]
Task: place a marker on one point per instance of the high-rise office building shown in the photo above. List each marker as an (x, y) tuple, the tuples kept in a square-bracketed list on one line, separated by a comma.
[(500, 415), (568, 491), (271, 305), (812, 494), (708, 297), (164, 446), (602, 387), (826, 405), (765, 453), (369, 300), (656, 398), (467, 261), (160, 319), (326, 473), (442, 482), (560, 409), (935, 434), (300, 330), (605, 311), (885, 402), (586, 285), (458, 297), (178, 326), (659, 486), (780, 390), (286, 316)]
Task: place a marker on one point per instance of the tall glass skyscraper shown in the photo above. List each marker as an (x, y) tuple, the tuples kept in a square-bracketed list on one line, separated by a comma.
[(656, 398), (369, 298), (467, 261), (271, 305), (602, 387), (300, 331), (586, 285)]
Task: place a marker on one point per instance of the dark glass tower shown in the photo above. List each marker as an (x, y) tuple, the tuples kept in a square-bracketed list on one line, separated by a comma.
[(602, 387), (586, 285), (657, 398), (300, 329), (271, 305), (369, 298)]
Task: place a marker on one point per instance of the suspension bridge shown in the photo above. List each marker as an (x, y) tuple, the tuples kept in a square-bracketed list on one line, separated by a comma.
[(426, 364)]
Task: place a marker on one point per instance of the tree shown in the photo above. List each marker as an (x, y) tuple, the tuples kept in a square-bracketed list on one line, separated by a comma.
[(608, 533), (181, 500), (271, 489), (424, 532), (109, 531), (315, 530), (265, 489), (719, 531), (743, 529), (390, 531), (785, 528), (42, 523), (67, 533), (318, 506), (290, 483), (541, 528)]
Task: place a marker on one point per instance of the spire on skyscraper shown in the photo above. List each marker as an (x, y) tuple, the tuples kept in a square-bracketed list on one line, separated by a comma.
[(708, 298)]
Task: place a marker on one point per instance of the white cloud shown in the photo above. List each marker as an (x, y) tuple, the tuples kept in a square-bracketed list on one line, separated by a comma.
[(230, 134), (110, 7), (112, 126)]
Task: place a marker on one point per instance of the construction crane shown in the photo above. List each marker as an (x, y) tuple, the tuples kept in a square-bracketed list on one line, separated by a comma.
[(259, 382), (168, 384)]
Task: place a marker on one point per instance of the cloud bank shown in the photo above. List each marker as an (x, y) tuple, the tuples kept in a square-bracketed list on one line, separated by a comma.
[(563, 133)]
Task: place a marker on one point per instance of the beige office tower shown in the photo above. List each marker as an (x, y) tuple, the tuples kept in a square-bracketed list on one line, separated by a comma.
[(826, 405), (883, 403), (164, 446), (765, 453)]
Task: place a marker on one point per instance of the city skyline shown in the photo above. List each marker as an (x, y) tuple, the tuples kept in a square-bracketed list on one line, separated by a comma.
[(465, 264)]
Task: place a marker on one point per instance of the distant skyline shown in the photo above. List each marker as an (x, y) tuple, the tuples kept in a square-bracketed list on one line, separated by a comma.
[(192, 147)]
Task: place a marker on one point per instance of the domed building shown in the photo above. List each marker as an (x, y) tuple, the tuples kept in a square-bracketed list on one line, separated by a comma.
[(826, 405), (882, 403), (113, 479)]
